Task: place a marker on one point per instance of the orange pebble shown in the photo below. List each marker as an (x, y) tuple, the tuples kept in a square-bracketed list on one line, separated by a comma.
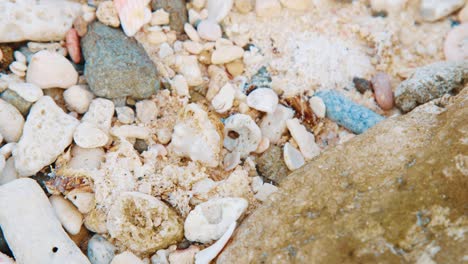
[(73, 45), (383, 91)]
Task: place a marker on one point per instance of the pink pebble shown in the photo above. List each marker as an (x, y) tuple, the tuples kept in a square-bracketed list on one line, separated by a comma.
[(72, 41), (456, 43), (383, 90)]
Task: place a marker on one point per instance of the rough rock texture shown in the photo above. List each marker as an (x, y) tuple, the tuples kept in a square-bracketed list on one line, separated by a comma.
[(396, 194), (430, 82), (38, 20), (271, 164), (117, 65), (177, 12), (17, 101)]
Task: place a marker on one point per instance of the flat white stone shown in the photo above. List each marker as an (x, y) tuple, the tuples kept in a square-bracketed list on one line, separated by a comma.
[(11, 122), (292, 157), (84, 201), (78, 98), (28, 91), (146, 111), (219, 9), (188, 66), (67, 214), (225, 54), (303, 138), (125, 114), (223, 101), (88, 135), (263, 99), (180, 86), (100, 113), (318, 106), (209, 30), (87, 159), (274, 125)]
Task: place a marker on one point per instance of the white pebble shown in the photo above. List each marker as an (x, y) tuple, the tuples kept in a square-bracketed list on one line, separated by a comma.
[(318, 106), (193, 47), (78, 98), (184, 256), (219, 9), (198, 4), (7, 149), (131, 131), (231, 160), (19, 57), (2, 163), (125, 114), (188, 66), (191, 32), (248, 137), (263, 146), (159, 17), (84, 201), (223, 101), (86, 158), (193, 16), (208, 254), (209, 30), (126, 257), (157, 37), (11, 122), (70, 218), (88, 135), (274, 125), (226, 54), (265, 191), (164, 135), (304, 139), (146, 111), (51, 70), (165, 50), (433, 10), (179, 85), (267, 8), (107, 14), (9, 172), (100, 113), (292, 157), (18, 68), (28, 91), (263, 99)]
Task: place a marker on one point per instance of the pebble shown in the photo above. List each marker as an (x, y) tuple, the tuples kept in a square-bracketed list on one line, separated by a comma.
[(208, 221), (100, 113), (300, 5), (209, 30), (2, 163), (188, 66), (263, 99), (383, 90), (72, 42), (265, 191), (54, 47), (87, 135), (146, 111), (112, 73), (107, 14), (292, 157), (273, 125), (86, 159), (159, 17), (303, 138), (193, 16), (388, 6), (165, 50), (28, 91), (243, 6), (51, 70), (9, 172), (248, 134), (131, 131), (184, 256), (218, 9), (208, 254), (191, 32), (318, 106), (78, 98), (100, 251), (18, 68), (158, 227), (263, 146), (456, 46), (11, 122), (231, 160), (157, 37), (463, 15), (179, 85), (8, 58), (83, 201), (433, 10), (225, 54), (177, 12), (362, 85), (261, 79), (67, 214), (125, 114), (126, 257), (347, 113), (223, 101), (164, 135), (19, 57), (133, 15), (193, 47), (430, 82), (81, 26), (267, 8), (17, 101), (235, 68), (46, 134)]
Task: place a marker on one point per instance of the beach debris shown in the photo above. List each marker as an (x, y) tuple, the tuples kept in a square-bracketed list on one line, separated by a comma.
[(292, 157), (455, 46), (241, 134), (273, 125), (133, 15), (67, 214), (263, 99), (11, 122)]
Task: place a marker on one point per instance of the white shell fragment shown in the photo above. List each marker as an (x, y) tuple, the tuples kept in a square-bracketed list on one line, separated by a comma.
[(292, 157), (211, 219), (133, 15), (67, 214), (209, 30), (274, 125), (87, 135), (84, 201), (184, 256), (179, 85), (100, 113), (264, 191), (231, 160), (226, 53), (263, 99), (223, 101), (107, 14), (125, 114), (263, 146), (131, 131), (303, 138), (247, 134), (9, 172), (219, 9), (208, 254), (159, 17), (188, 66), (146, 111), (318, 106)]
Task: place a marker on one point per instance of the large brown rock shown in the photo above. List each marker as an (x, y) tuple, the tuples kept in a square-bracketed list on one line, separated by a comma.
[(395, 194)]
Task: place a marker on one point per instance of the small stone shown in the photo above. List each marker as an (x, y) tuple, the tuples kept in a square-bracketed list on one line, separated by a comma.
[(318, 106), (292, 157), (244, 6), (78, 98), (131, 131), (160, 17), (11, 122), (267, 8), (300, 5), (383, 90), (126, 257), (165, 50), (219, 9), (263, 146), (46, 134), (125, 114), (17, 101), (146, 111), (303, 138), (87, 135), (193, 47), (456, 46), (194, 16), (157, 37), (9, 173), (140, 145), (231, 160), (27, 91), (235, 68), (18, 68), (86, 159), (223, 101), (84, 201), (133, 15), (209, 30), (265, 191), (51, 70), (70, 218), (72, 42), (226, 54), (177, 12), (263, 99), (274, 125), (191, 32), (100, 113), (208, 254), (189, 68), (19, 57), (185, 256), (463, 15), (180, 86), (100, 251), (107, 14), (433, 10), (362, 85), (81, 26)]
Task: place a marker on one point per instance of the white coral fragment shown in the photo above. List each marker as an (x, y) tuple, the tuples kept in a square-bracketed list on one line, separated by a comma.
[(247, 134)]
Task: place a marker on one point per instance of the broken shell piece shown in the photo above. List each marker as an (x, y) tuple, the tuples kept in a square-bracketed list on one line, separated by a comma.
[(159, 17), (208, 254), (143, 223), (179, 84), (222, 102), (131, 131), (84, 201), (241, 134), (86, 158), (126, 257), (263, 99), (133, 15), (292, 157), (274, 125), (146, 111), (72, 42), (87, 135), (78, 98), (265, 191), (100, 113), (210, 220), (191, 32), (184, 256), (125, 114), (107, 14), (219, 9), (456, 46), (188, 66), (209, 30), (231, 160), (304, 139), (263, 146), (28, 91), (68, 215), (318, 106)]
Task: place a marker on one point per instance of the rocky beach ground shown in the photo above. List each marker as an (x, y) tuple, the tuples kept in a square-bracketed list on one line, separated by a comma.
[(233, 131)]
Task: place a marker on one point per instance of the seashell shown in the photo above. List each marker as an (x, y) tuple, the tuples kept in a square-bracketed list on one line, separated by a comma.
[(318, 106), (219, 9), (304, 139), (263, 99), (193, 47), (222, 102), (107, 14), (211, 219), (191, 32), (273, 125), (72, 41), (263, 146), (208, 254), (28, 91), (292, 157), (231, 160), (7, 149), (133, 15), (247, 134), (456, 46), (226, 53), (86, 159), (18, 68)]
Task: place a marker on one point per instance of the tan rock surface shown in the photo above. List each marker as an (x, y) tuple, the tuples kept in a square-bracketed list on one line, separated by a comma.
[(396, 194)]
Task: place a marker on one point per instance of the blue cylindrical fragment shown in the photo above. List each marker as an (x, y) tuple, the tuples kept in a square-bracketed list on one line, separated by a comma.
[(347, 113)]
